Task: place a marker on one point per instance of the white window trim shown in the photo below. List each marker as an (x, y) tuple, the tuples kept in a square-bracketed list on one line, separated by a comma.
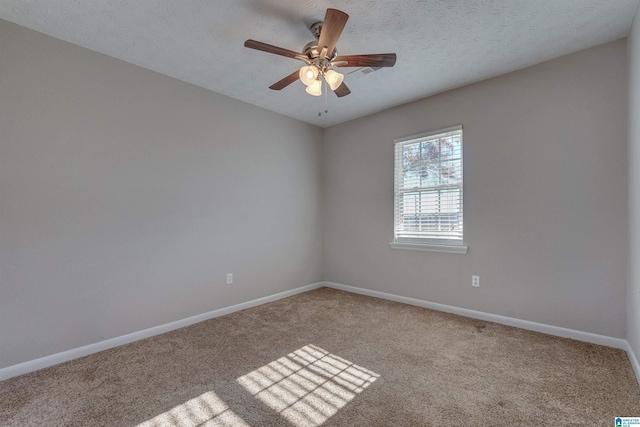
[(429, 246)]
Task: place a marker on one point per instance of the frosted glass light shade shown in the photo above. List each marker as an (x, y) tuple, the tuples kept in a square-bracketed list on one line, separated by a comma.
[(315, 88), (334, 79), (308, 74)]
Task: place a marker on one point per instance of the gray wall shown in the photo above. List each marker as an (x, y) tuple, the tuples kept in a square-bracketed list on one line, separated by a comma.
[(633, 291), (545, 196), (126, 196)]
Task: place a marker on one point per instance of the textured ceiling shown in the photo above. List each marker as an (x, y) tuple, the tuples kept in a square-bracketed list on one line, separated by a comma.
[(441, 44)]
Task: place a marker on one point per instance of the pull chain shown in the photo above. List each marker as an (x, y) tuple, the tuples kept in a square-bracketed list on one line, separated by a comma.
[(326, 97), (326, 100)]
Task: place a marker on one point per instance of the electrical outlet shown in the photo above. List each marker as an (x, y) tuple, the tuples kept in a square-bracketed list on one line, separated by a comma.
[(229, 278), (475, 281)]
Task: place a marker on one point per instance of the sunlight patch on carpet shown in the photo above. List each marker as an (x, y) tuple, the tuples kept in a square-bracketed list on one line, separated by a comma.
[(308, 386), (205, 410)]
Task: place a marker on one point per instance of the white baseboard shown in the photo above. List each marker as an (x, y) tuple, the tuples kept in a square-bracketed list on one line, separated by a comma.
[(54, 359), (634, 361), (65, 356), (509, 321)]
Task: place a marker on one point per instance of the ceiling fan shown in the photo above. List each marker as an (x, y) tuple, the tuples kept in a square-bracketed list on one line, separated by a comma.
[(320, 56)]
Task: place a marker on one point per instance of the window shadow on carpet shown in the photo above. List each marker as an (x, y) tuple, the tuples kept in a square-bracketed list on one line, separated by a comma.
[(308, 386), (205, 410)]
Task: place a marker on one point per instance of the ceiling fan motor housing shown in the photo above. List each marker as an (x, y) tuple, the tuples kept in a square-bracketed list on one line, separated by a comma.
[(312, 52), (311, 48)]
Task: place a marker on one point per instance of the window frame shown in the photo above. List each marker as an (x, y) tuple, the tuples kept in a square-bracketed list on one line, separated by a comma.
[(456, 246)]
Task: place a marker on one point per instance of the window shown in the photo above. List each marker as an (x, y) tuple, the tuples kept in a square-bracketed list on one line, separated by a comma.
[(428, 192)]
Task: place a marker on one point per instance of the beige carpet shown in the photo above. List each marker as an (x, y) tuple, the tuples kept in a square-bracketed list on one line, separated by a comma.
[(337, 359)]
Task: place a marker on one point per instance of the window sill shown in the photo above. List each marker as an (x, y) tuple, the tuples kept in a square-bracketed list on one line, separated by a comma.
[(448, 249)]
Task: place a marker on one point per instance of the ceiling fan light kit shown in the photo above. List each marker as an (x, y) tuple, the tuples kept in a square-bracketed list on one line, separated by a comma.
[(320, 56), (308, 74), (333, 79), (315, 88)]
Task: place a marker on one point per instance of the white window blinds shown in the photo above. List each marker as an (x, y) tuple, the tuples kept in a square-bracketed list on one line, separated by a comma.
[(428, 188)]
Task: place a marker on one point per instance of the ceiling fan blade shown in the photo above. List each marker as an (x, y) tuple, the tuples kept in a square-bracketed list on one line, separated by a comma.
[(342, 90), (374, 60), (286, 81), (254, 44), (334, 22)]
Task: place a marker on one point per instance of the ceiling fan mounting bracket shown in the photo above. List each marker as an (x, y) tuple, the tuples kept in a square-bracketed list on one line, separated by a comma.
[(315, 29)]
